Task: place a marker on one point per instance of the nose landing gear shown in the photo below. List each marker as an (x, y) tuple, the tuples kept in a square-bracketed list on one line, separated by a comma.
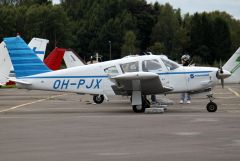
[(211, 106)]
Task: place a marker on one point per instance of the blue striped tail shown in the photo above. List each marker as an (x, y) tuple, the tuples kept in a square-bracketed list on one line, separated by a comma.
[(25, 61)]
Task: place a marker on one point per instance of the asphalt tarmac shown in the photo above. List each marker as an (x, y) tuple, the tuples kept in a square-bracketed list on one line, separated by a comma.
[(55, 126)]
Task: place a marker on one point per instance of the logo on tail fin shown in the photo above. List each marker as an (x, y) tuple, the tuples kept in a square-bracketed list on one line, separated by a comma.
[(237, 66)]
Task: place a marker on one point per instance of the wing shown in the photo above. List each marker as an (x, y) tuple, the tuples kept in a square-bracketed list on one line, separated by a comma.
[(146, 82)]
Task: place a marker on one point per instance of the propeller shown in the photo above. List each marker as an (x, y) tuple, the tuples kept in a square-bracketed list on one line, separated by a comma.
[(221, 74), (222, 82)]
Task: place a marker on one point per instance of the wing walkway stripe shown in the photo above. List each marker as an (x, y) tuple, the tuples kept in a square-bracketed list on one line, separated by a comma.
[(234, 92), (30, 103)]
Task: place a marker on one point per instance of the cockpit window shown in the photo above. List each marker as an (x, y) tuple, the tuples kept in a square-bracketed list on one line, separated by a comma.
[(171, 65), (112, 71), (130, 67), (151, 65)]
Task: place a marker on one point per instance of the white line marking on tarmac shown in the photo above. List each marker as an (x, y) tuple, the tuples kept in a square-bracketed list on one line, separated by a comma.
[(234, 92), (30, 103), (188, 133), (231, 104), (114, 154), (223, 93), (205, 120), (225, 97)]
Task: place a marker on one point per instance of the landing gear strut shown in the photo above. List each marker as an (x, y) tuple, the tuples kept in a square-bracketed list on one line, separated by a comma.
[(141, 108), (211, 106)]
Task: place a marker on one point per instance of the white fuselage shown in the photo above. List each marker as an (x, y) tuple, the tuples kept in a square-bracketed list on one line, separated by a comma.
[(95, 78)]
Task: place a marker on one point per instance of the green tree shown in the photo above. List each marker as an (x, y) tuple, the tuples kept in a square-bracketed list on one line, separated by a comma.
[(222, 39), (210, 37), (128, 47), (51, 22), (157, 48), (165, 29)]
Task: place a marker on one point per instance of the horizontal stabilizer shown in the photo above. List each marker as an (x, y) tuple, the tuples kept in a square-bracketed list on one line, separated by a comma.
[(19, 81)]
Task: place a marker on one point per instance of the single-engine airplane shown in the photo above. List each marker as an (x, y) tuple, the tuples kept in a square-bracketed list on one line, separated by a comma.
[(132, 76)]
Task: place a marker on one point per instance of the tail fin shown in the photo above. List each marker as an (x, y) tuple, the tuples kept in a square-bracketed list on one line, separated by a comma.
[(25, 61), (54, 59), (233, 65), (38, 45), (5, 64), (72, 60)]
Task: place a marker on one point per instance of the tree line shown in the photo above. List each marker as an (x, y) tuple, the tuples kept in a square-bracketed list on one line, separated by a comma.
[(124, 27)]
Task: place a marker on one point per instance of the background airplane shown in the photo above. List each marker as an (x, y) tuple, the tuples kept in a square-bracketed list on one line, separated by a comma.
[(39, 45), (71, 59), (233, 65), (55, 58), (134, 76), (5, 64)]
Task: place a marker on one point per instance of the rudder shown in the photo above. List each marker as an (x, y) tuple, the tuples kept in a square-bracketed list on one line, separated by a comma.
[(25, 61)]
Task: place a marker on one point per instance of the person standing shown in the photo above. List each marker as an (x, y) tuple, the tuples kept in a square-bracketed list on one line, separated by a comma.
[(185, 59)]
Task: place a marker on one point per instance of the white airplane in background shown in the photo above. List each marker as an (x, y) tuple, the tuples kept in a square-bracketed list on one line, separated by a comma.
[(55, 58), (233, 65), (39, 46), (133, 76), (5, 64), (71, 59)]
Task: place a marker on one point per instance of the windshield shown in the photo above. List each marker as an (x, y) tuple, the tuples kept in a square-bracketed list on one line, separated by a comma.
[(171, 65), (112, 71), (151, 65)]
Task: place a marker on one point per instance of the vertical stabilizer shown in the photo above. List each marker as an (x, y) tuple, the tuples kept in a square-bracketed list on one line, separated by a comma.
[(38, 45), (54, 59), (25, 61), (233, 65), (72, 60), (5, 63)]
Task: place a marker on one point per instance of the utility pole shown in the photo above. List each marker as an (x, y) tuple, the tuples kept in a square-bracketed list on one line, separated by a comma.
[(110, 50)]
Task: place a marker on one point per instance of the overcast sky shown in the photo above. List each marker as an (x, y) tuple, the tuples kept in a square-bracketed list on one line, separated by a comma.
[(230, 6)]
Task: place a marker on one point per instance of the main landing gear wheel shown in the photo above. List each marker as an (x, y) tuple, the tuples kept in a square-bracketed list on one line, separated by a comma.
[(98, 99), (211, 107), (141, 108), (138, 108)]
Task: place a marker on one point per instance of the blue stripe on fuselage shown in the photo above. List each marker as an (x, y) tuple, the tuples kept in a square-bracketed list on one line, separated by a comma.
[(173, 73), (165, 73), (50, 77)]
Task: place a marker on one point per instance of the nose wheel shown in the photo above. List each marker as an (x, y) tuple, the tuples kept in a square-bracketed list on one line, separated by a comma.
[(211, 106)]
